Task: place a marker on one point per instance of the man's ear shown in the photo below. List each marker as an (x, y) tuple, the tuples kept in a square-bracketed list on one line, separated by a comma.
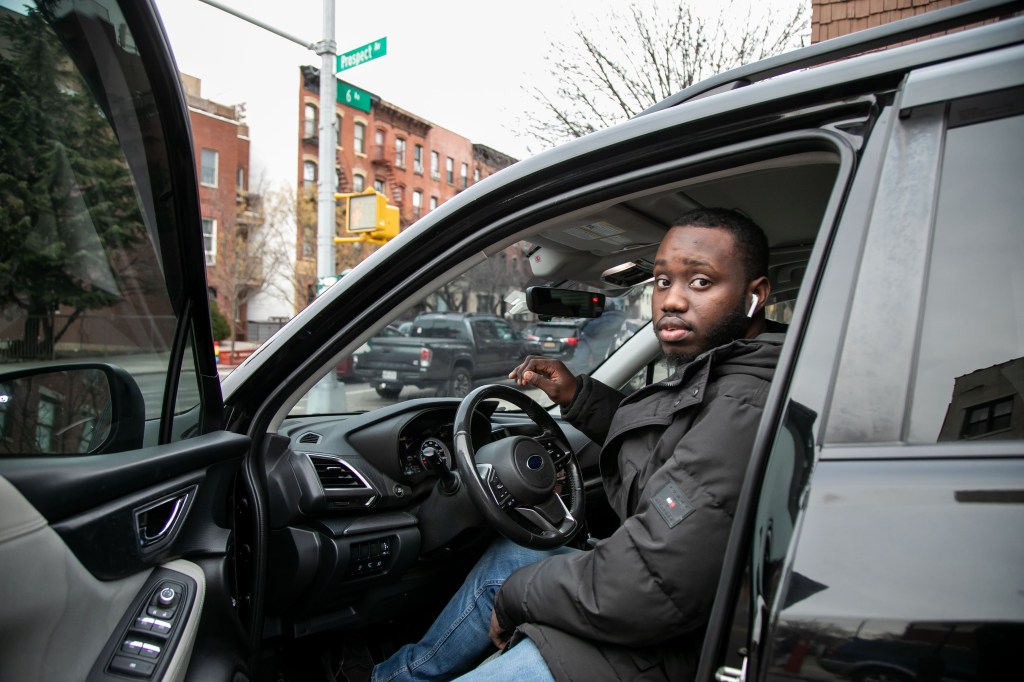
[(761, 288)]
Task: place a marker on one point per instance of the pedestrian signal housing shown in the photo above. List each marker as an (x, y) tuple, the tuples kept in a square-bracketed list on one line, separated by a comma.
[(369, 217)]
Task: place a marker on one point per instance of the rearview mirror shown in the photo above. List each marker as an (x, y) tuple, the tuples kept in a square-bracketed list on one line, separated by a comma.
[(70, 409), (548, 302)]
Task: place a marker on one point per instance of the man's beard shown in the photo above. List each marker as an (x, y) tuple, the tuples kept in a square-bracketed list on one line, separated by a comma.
[(733, 326)]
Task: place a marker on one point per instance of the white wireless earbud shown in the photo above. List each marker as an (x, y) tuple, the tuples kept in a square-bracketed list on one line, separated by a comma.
[(753, 305)]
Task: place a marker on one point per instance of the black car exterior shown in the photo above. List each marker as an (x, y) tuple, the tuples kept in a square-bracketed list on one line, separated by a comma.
[(879, 534), (557, 339)]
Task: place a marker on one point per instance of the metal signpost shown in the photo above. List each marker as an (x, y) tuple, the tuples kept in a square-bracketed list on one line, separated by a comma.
[(330, 62)]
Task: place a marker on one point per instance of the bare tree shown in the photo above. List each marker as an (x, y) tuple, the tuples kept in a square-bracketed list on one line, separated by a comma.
[(261, 258), (635, 58)]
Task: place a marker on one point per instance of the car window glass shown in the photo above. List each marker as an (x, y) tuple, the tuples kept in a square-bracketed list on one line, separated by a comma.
[(970, 369), (353, 386), (81, 268), (504, 331), (485, 330)]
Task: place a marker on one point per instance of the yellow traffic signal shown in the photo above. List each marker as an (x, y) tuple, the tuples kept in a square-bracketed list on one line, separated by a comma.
[(369, 217)]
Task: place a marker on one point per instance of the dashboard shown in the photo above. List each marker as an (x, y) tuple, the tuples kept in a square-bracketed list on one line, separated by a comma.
[(357, 518)]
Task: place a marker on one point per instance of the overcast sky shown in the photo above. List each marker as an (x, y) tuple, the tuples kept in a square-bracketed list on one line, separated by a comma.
[(460, 64)]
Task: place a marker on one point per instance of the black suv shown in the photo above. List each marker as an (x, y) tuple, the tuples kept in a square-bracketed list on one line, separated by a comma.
[(559, 339), (161, 524)]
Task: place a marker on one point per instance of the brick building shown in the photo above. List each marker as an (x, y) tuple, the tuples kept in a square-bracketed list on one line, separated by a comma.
[(834, 18), (416, 164), (221, 144)]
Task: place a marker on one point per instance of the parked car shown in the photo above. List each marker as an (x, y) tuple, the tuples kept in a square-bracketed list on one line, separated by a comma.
[(345, 370), (556, 338), (444, 351), (160, 524)]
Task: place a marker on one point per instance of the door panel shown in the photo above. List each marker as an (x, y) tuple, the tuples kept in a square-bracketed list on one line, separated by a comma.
[(49, 596), (72, 583)]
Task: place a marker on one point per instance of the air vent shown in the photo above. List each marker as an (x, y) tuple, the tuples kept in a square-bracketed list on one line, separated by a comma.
[(310, 438), (335, 474)]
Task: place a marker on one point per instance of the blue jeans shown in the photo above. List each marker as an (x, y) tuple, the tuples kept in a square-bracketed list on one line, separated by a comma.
[(458, 640)]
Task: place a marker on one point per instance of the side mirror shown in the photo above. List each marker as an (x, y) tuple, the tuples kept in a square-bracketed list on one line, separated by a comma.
[(70, 409), (548, 302)]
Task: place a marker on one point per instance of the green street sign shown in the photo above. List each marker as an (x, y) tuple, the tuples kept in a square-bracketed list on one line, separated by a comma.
[(353, 97), (377, 48)]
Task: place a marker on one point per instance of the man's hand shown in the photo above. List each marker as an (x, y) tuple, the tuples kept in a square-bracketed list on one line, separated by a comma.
[(499, 637), (547, 374)]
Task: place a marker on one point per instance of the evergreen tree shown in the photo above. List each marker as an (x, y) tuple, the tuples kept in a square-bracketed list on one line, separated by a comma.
[(218, 323), (66, 195)]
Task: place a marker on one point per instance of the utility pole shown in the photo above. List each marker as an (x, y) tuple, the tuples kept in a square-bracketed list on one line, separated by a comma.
[(326, 48), (326, 187)]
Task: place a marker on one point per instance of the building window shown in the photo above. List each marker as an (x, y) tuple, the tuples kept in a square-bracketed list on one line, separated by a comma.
[(417, 204), (208, 168), (378, 184), (358, 183), (476, 174), (433, 203), (464, 175), (988, 417), (309, 175), (378, 143), (359, 134), (309, 122), (400, 152), (240, 179), (308, 241), (435, 165), (449, 170), (210, 240), (417, 159)]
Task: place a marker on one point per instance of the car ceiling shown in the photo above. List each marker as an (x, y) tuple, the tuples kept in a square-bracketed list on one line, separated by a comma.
[(786, 196)]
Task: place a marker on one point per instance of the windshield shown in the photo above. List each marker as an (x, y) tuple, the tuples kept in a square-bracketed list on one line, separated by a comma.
[(470, 332)]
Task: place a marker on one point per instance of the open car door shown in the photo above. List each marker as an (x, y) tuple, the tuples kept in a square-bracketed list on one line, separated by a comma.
[(117, 489)]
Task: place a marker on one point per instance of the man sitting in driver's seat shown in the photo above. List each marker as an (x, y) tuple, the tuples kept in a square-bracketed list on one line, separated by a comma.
[(673, 460)]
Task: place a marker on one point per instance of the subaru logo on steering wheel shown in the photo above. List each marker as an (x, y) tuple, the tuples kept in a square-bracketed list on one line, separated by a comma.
[(535, 462)]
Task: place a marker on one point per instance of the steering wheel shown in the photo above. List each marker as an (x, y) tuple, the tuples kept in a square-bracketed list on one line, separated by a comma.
[(514, 485)]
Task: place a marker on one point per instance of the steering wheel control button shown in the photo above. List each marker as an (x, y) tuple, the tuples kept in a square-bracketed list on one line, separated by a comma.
[(498, 490), (132, 666)]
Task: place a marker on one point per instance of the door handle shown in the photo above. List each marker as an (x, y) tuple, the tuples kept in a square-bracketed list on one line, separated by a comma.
[(157, 521)]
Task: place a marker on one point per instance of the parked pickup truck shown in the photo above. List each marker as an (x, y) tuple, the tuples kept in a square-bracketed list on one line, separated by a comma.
[(446, 351)]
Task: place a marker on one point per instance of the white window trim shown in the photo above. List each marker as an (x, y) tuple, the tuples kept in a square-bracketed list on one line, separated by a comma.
[(211, 255), (216, 167)]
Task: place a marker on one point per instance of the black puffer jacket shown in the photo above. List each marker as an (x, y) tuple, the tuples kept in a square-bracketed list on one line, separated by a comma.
[(673, 461)]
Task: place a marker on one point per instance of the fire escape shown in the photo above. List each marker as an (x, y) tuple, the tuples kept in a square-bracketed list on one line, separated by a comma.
[(398, 124), (384, 163)]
